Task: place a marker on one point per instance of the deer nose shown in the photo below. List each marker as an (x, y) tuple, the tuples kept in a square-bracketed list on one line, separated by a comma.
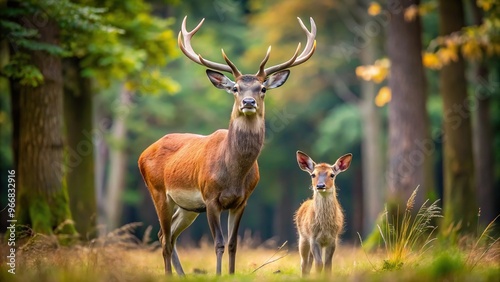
[(321, 186), (249, 102)]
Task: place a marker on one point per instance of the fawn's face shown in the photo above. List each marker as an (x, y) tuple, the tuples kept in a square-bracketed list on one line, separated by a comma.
[(323, 174)]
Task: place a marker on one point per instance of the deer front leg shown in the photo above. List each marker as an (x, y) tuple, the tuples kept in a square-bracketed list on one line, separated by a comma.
[(318, 261), (329, 251), (213, 216), (233, 225), (304, 251)]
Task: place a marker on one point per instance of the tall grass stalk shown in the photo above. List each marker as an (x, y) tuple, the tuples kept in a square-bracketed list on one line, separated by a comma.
[(484, 235), (403, 237)]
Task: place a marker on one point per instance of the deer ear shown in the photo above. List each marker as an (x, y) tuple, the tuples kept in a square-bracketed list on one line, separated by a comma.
[(343, 163), (277, 79), (305, 162), (220, 81)]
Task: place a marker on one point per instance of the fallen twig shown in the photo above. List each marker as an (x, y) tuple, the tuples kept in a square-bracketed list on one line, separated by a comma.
[(268, 261)]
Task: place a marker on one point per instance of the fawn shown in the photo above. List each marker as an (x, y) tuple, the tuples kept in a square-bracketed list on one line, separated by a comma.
[(320, 220)]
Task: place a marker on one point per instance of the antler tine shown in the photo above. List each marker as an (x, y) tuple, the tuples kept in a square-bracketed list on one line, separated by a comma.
[(187, 49), (234, 69), (285, 65), (311, 42), (262, 72), (306, 53)]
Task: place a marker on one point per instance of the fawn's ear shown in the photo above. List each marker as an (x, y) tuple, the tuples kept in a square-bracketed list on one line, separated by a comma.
[(343, 163), (305, 162)]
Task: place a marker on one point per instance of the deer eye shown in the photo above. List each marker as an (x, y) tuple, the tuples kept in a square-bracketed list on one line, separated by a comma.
[(332, 175), (235, 89), (263, 90), (313, 175)]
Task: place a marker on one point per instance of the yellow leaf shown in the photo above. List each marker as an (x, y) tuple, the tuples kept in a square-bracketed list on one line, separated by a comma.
[(374, 9), (383, 96), (380, 74), (431, 60), (485, 4), (361, 72), (447, 54), (472, 51), (376, 72), (411, 13)]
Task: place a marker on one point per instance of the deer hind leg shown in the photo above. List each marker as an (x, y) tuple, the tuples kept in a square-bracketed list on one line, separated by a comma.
[(310, 260), (182, 219), (305, 257), (164, 210)]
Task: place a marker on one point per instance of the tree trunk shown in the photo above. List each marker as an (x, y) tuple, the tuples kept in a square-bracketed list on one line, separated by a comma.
[(371, 149), (101, 157), (6, 158), (117, 161), (482, 134), (42, 195), (409, 145), (80, 149), (459, 196)]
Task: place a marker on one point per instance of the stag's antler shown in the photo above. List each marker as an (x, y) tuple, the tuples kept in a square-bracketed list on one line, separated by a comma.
[(295, 60), (187, 49), (263, 72)]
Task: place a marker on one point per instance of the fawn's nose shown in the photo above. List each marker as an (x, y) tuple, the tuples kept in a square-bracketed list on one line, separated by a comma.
[(249, 102), (320, 186)]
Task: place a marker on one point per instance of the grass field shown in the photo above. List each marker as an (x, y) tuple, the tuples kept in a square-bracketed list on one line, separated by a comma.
[(113, 259)]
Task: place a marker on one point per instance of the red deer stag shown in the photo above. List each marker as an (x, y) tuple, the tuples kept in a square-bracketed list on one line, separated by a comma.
[(320, 220), (188, 174)]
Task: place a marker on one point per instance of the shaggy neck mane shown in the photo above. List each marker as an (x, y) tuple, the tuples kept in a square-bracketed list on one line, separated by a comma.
[(244, 142)]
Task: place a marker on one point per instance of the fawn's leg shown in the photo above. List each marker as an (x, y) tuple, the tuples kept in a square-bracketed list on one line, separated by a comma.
[(329, 257), (318, 261)]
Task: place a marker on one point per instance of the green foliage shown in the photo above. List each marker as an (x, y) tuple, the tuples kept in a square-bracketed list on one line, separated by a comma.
[(339, 130), (447, 264), (134, 55), (20, 68), (19, 26)]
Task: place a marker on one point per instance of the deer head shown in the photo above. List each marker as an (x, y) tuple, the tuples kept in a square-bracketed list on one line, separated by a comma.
[(323, 174), (249, 90)]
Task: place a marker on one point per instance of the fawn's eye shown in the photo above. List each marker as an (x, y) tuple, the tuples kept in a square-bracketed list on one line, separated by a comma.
[(332, 175), (313, 175)]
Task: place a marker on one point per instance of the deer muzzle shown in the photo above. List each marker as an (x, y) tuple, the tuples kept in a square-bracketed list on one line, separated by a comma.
[(248, 106)]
